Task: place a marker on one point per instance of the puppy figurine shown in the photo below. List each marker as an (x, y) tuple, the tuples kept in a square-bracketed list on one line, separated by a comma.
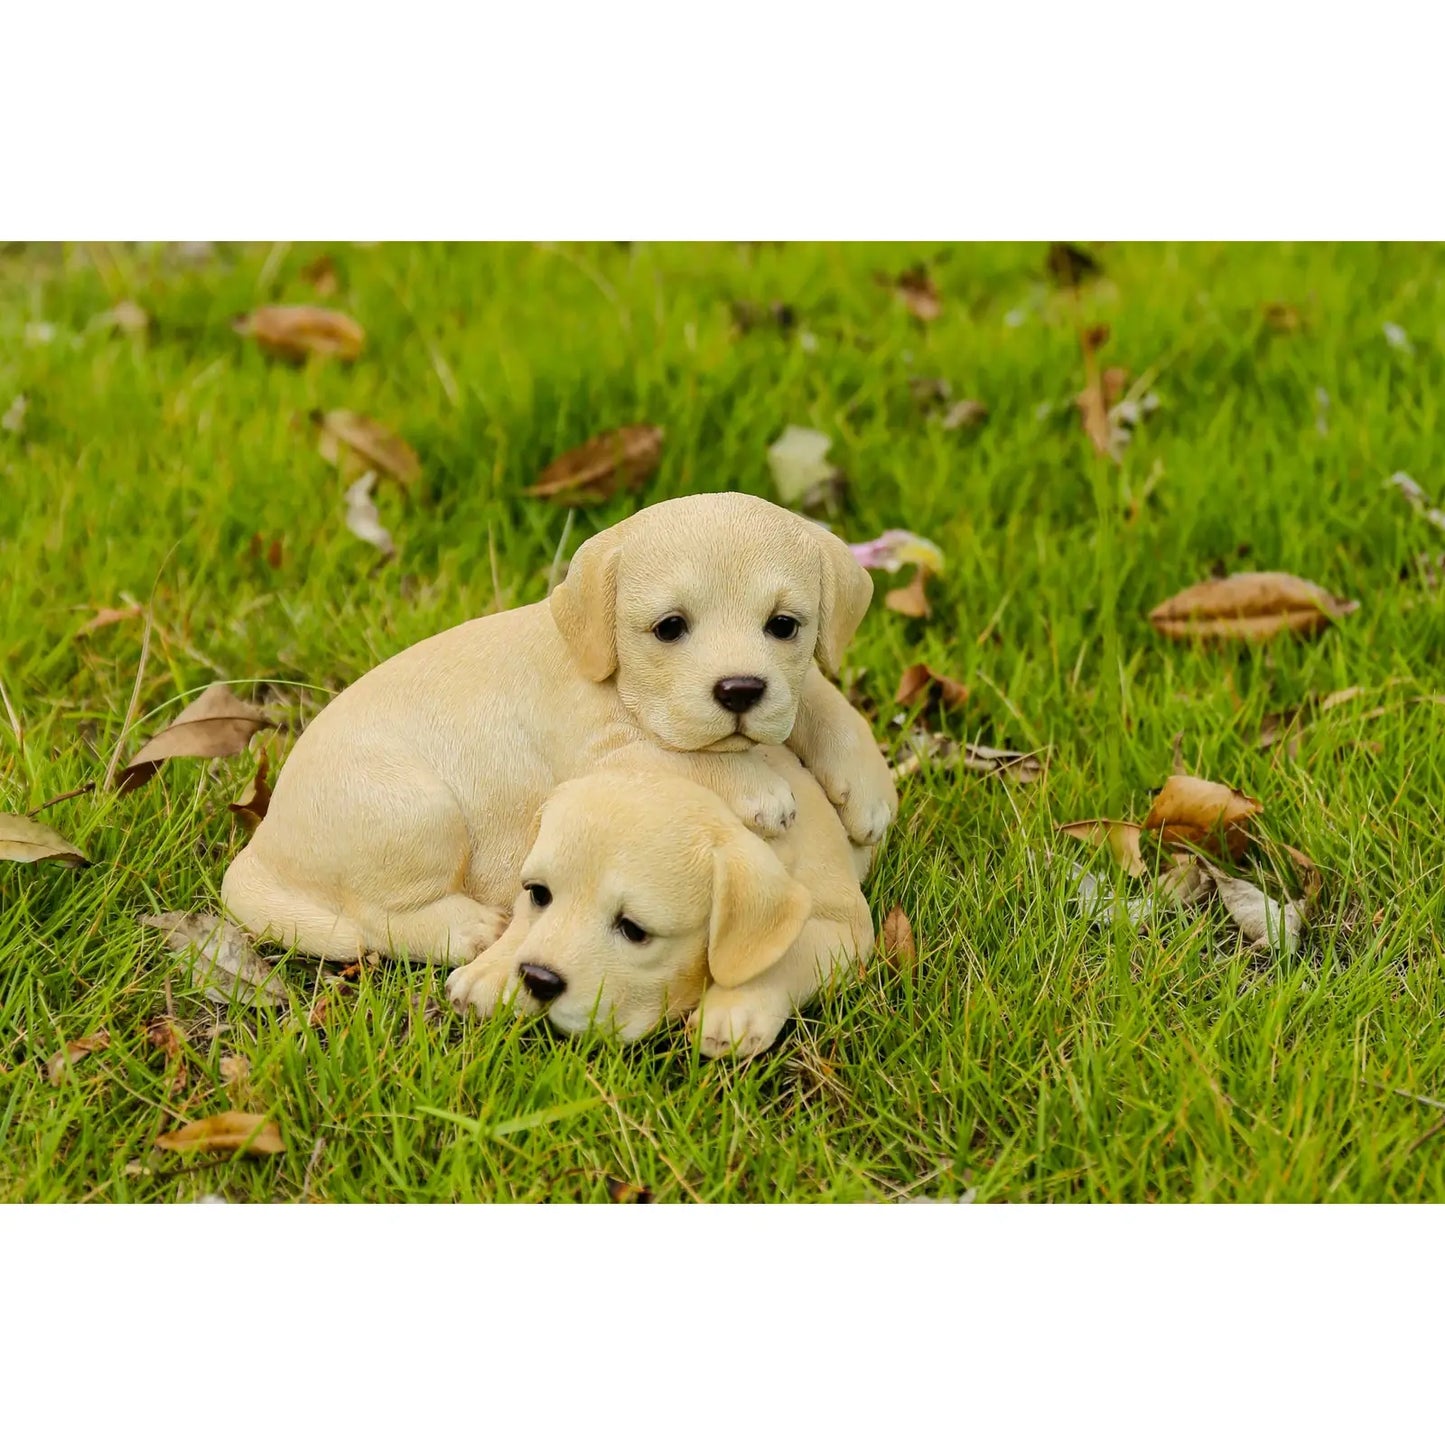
[(644, 897), (682, 638)]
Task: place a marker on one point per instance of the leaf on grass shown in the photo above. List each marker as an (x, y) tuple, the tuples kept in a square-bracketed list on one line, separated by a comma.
[(347, 437), (920, 681), (1121, 839), (1070, 265), (255, 797), (895, 550), (227, 1133), (895, 941), (1414, 493), (1093, 401), (598, 470), (218, 724), (619, 1191), (941, 751), (235, 1070), (12, 419), (108, 617), (1197, 813), (803, 477), (28, 840), (1263, 921), (1184, 884), (916, 290), (220, 959), (1250, 606), (58, 1065), (1308, 876), (965, 413), (912, 600), (320, 276), (124, 316), (362, 518), (162, 1033), (1282, 317), (274, 552), (295, 332)]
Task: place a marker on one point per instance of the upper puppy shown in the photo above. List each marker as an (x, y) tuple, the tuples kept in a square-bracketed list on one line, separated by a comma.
[(682, 637)]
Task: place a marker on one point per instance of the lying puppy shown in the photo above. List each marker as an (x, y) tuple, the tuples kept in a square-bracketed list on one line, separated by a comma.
[(643, 895), (682, 637)]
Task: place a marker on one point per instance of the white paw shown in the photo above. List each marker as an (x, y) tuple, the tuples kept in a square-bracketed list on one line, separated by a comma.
[(476, 937), (866, 819), (868, 805), (480, 985), (770, 809), (737, 1022)]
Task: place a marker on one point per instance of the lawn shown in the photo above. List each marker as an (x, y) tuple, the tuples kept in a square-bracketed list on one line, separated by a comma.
[(1028, 1053)]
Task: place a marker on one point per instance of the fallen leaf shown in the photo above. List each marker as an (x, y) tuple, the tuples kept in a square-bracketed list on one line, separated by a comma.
[(295, 332), (1309, 878), (220, 959), (918, 293), (255, 797), (1069, 265), (218, 724), (234, 1070), (1279, 316), (1261, 919), (108, 617), (27, 840), (273, 552), (227, 1133), (1184, 884), (912, 600), (895, 941), (1195, 812), (746, 316), (345, 436), (965, 413), (60, 1061), (1250, 606), (320, 276), (895, 550), (1093, 401), (13, 417), (1121, 839), (1414, 493), (617, 461), (920, 681), (124, 316), (163, 1034), (941, 750), (362, 518), (619, 1191), (802, 475), (930, 391)]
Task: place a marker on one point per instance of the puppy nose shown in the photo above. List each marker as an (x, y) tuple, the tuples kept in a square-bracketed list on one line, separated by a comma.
[(541, 983), (738, 694)]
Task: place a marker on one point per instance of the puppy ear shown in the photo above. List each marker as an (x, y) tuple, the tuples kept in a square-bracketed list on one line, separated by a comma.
[(757, 909), (584, 606), (847, 591)]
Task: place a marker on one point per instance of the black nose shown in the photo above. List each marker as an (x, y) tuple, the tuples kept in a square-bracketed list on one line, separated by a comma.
[(738, 694), (541, 983)]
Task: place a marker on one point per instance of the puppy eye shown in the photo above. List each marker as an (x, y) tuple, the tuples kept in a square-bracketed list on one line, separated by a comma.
[(540, 894), (670, 628), (782, 627), (632, 932)]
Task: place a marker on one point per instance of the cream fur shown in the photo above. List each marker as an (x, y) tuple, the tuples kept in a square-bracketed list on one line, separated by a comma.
[(400, 820), (740, 932)]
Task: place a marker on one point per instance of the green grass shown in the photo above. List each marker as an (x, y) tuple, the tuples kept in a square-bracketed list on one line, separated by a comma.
[(1028, 1056)]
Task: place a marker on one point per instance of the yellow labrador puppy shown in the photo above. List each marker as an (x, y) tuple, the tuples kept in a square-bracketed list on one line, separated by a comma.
[(682, 637), (644, 897)]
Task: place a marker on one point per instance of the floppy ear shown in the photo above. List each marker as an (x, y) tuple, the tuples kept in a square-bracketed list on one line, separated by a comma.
[(847, 591), (757, 910), (584, 607)]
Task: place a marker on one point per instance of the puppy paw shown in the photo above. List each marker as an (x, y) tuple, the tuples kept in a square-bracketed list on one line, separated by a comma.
[(866, 819), (737, 1022), (480, 985), (770, 808)]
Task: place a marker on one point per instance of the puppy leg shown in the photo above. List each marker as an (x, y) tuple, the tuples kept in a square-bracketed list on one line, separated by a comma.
[(835, 743), (488, 983), (451, 929), (746, 1020)]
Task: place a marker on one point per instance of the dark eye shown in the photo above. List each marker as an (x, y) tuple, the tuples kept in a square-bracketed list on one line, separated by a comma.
[(632, 932), (540, 894), (782, 627), (670, 628)]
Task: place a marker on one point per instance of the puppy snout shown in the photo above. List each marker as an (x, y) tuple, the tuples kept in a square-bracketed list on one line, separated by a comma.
[(541, 983), (738, 694)]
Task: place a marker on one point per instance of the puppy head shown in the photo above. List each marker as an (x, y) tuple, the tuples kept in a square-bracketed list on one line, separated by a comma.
[(709, 611), (635, 891)]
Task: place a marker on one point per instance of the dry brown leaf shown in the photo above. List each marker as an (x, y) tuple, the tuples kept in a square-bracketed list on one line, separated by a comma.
[(1310, 879), (1069, 265), (162, 1033), (1121, 839), (965, 413), (912, 600), (1251, 606), (348, 436), (1280, 316), (1185, 883), (1201, 814), (320, 276), (617, 461), (895, 941), (619, 1191), (1093, 401), (124, 316), (1262, 920), (234, 1070), (107, 617), (220, 959), (218, 724), (918, 293), (273, 553), (27, 840), (58, 1065), (255, 797), (920, 681), (295, 332), (362, 518), (227, 1133)]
